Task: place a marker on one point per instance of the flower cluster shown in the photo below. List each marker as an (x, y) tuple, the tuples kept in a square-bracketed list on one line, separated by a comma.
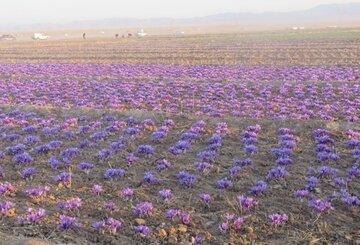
[(114, 173), (32, 216), (186, 179), (127, 193), (178, 214), (143, 230), (325, 146), (64, 178), (6, 189), (38, 193), (71, 204), (320, 206), (231, 223), (278, 219), (7, 209), (247, 203), (111, 225), (143, 209), (67, 222)]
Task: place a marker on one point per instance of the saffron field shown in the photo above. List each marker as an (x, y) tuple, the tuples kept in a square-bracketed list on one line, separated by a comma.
[(191, 146)]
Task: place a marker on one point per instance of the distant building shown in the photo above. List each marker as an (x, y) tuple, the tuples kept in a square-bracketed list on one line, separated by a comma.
[(7, 38), (142, 33), (39, 36), (179, 33), (297, 28)]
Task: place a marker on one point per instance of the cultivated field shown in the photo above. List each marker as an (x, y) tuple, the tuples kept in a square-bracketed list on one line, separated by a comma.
[(213, 139)]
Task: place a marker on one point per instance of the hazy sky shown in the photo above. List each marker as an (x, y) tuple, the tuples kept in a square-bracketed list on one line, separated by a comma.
[(60, 11)]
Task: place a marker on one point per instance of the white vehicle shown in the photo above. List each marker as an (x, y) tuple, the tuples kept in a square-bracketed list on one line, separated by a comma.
[(39, 36), (142, 33)]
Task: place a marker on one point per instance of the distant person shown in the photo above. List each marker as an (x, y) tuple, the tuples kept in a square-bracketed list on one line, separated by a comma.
[(84, 35), (116, 36)]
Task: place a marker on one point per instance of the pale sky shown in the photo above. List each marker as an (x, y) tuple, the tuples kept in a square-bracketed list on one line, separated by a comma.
[(63, 11)]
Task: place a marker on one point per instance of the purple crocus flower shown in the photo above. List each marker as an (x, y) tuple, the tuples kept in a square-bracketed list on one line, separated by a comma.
[(70, 153), (55, 144), (64, 178), (203, 167), (320, 206), (188, 136), (15, 150), (131, 158), (6, 208), (207, 156), (114, 173), (186, 219), (166, 194), (278, 219), (186, 179), (247, 203), (302, 194), (67, 223), (250, 149), (127, 193), (173, 213), (85, 166), (32, 216), (143, 230), (224, 227), (71, 204), (163, 165), (143, 209), (234, 170), (113, 225), (224, 183), (146, 150), (284, 161), (104, 153), (158, 136), (99, 136), (277, 173), (350, 200), (326, 171), (259, 188), (99, 225), (22, 158), (150, 178), (282, 152), (243, 163), (55, 163), (117, 146), (205, 198), (238, 223), (28, 173), (110, 206), (312, 183), (30, 140), (97, 189), (38, 193)]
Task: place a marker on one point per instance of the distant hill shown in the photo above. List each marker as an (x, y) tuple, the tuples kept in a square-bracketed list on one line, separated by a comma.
[(335, 14)]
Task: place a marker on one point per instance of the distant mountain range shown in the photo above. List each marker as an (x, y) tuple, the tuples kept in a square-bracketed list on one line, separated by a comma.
[(335, 14)]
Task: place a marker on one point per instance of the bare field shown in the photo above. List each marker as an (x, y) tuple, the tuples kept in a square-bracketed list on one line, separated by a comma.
[(284, 48)]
